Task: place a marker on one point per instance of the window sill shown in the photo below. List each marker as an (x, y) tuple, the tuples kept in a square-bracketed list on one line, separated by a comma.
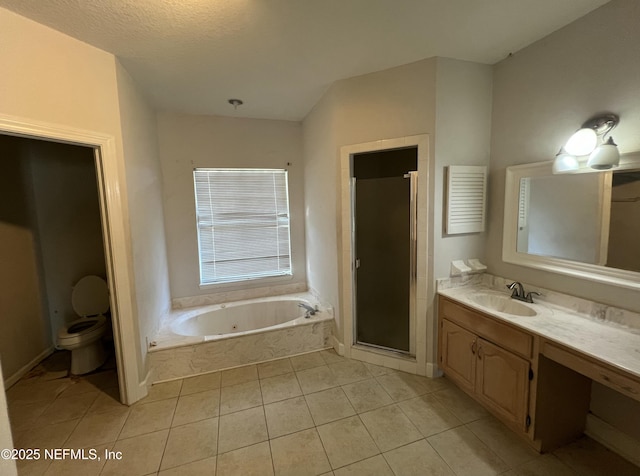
[(248, 283)]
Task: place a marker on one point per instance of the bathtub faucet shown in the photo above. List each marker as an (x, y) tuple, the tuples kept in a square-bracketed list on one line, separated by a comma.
[(310, 310)]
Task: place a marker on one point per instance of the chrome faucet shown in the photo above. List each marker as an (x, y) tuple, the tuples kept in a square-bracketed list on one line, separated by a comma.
[(518, 292), (311, 311)]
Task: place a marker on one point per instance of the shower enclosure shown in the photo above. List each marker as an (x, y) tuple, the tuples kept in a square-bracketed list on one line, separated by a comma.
[(384, 188)]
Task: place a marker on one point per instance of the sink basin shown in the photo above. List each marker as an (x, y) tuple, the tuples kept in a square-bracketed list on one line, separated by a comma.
[(503, 304)]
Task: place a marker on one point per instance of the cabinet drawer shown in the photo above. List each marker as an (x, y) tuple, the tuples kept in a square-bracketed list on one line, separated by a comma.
[(592, 369), (492, 330)]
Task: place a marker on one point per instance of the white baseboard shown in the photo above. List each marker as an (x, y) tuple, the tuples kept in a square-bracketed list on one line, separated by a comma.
[(143, 388), (140, 390), (612, 438), (433, 371), (9, 381), (337, 345)]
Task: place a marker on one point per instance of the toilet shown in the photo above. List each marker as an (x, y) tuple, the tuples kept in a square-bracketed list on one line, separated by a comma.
[(83, 337)]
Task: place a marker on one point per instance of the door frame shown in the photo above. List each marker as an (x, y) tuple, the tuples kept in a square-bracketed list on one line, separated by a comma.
[(115, 229), (424, 281)]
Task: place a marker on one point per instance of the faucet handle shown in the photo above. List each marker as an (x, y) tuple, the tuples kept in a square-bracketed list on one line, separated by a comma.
[(513, 287), (529, 298), (517, 290)]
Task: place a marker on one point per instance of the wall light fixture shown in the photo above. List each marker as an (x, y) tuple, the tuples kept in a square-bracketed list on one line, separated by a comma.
[(565, 163), (588, 143)]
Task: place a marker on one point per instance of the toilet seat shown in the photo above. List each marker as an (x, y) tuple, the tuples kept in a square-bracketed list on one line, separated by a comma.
[(90, 300), (81, 332)]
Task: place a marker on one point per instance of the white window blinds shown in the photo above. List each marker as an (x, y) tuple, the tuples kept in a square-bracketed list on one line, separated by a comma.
[(243, 224)]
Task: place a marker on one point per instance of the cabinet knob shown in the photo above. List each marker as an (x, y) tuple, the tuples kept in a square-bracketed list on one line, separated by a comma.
[(473, 347), (480, 352)]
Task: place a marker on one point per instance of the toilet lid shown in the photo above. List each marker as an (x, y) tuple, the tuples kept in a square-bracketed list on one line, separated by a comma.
[(90, 296)]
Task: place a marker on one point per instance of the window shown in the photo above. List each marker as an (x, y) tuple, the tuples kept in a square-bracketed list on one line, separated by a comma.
[(243, 224)]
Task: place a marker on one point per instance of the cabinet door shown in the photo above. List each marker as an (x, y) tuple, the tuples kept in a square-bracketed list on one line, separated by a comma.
[(502, 382), (458, 357)]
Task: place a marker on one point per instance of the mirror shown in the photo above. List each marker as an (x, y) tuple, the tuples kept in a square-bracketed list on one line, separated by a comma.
[(565, 216), (583, 224)]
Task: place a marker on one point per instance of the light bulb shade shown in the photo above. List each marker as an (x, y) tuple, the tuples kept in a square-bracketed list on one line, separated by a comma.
[(565, 163), (605, 156), (582, 142)]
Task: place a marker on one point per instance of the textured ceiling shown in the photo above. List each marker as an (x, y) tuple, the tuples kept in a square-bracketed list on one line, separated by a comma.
[(279, 56)]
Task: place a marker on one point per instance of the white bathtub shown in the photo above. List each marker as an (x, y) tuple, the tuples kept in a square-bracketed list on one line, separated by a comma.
[(215, 337), (244, 317)]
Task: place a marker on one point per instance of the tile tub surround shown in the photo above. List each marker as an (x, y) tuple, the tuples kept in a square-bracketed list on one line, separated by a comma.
[(194, 359), (608, 334), (397, 423), (175, 356)]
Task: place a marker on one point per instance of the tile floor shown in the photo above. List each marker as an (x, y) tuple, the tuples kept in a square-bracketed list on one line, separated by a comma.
[(314, 414)]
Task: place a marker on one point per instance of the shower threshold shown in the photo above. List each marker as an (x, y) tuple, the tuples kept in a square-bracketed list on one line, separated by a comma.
[(379, 349)]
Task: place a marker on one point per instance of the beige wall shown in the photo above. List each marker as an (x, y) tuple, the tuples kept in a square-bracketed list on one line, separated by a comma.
[(24, 327), (321, 159), (448, 99), (541, 96), (463, 136), (144, 189), (388, 104), (187, 142), (55, 78)]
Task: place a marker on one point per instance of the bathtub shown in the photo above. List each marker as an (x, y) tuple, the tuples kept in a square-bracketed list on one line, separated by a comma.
[(245, 318), (201, 340)]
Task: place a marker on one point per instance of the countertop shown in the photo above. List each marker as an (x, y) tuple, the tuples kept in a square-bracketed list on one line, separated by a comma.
[(611, 343)]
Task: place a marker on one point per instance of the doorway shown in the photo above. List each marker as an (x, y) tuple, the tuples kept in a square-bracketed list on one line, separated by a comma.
[(418, 359), (51, 228), (114, 216), (384, 186)]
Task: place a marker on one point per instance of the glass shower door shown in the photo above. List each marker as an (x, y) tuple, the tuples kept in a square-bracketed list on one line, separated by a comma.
[(384, 219)]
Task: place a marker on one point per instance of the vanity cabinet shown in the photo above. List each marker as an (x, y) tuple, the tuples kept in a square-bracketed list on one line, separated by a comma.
[(536, 382), (502, 383), (489, 360)]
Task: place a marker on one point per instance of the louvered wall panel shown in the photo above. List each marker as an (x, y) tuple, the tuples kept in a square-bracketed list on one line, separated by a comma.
[(466, 199)]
